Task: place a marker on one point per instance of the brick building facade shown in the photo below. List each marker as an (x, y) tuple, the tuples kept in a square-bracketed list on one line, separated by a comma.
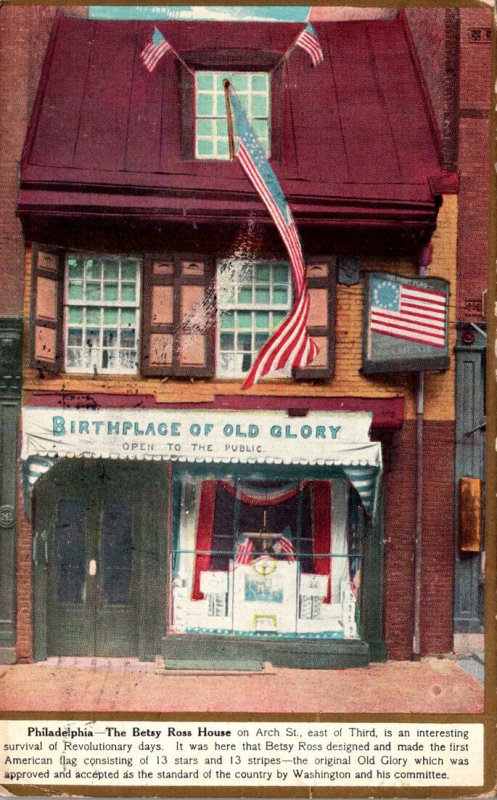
[(58, 225)]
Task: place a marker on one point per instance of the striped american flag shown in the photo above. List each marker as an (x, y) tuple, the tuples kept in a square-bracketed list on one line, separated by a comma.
[(290, 344), (308, 41), (156, 47), (407, 311)]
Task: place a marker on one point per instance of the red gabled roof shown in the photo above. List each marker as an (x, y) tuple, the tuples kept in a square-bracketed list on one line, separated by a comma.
[(357, 131)]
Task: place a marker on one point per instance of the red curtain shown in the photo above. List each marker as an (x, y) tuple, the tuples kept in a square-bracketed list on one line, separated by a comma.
[(321, 529), (205, 528)]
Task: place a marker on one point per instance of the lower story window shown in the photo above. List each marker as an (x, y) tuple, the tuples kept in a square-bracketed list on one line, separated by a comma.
[(266, 556), (102, 297)]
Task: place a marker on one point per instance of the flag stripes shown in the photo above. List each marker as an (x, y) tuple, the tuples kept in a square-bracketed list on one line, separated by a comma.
[(309, 42), (153, 51), (289, 345), (409, 312)]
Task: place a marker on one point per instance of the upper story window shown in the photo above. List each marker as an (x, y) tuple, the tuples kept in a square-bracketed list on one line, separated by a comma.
[(195, 317), (211, 127), (253, 298), (102, 301)]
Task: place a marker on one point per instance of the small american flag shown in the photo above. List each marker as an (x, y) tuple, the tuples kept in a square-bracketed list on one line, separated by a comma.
[(156, 47), (283, 546), (406, 311), (290, 345), (308, 41), (244, 552)]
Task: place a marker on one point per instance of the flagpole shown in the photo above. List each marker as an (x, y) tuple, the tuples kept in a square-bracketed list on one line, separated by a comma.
[(229, 116)]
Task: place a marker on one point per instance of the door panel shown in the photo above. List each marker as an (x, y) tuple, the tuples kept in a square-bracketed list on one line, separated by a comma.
[(102, 520)]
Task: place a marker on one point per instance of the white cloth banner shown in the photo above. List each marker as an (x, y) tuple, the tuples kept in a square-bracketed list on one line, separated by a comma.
[(321, 438)]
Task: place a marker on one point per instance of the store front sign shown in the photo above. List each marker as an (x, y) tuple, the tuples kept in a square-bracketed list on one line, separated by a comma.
[(198, 435)]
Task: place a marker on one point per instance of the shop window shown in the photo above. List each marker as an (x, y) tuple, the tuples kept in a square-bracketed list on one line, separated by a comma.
[(102, 307), (253, 299), (211, 125), (266, 556)]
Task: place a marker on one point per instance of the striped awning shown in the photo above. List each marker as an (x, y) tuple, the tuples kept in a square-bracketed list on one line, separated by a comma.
[(335, 440)]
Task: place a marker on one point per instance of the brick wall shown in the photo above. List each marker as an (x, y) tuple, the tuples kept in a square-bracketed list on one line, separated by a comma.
[(24, 33), (474, 160)]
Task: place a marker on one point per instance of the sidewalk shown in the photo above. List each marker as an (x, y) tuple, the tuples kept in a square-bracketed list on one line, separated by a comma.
[(432, 685)]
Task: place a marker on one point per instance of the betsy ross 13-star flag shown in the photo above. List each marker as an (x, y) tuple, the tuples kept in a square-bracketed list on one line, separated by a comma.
[(405, 324), (290, 344)]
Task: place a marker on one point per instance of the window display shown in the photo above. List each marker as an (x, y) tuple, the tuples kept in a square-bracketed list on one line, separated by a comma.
[(261, 556)]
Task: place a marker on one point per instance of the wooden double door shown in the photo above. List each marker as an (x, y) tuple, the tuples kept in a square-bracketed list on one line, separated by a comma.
[(99, 559)]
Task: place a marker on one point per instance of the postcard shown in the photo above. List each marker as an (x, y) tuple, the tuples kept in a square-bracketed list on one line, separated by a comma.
[(247, 522)]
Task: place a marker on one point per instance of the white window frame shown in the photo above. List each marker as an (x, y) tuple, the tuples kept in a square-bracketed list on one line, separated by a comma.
[(235, 278), (220, 141), (119, 304)]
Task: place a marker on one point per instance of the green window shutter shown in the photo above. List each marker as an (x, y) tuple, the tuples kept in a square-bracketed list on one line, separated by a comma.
[(178, 325), (46, 309), (321, 283)]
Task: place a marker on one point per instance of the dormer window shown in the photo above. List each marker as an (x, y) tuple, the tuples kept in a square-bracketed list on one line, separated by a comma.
[(211, 126)]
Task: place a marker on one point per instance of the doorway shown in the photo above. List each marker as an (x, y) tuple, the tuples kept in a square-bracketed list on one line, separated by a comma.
[(99, 554)]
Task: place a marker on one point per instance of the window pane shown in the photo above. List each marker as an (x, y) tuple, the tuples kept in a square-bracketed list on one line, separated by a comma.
[(93, 316), (259, 105), (205, 105), (262, 320), (110, 337), (110, 270), (245, 294), (228, 319), (280, 295), (93, 291), (128, 270), (75, 290), (205, 80), (278, 316), (244, 319), (93, 269), (262, 295), (227, 341), (223, 147), (259, 83), (205, 147), (205, 127), (110, 291), (128, 291), (244, 341), (128, 316), (110, 316), (280, 273), (76, 315), (75, 337), (127, 360), (262, 272), (128, 338), (75, 267), (260, 340)]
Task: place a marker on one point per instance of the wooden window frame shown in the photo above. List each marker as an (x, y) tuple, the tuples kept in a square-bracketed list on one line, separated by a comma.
[(238, 61), (118, 304)]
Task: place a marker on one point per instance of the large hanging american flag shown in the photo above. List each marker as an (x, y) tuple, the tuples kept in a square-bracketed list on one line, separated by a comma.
[(290, 344), (406, 311)]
